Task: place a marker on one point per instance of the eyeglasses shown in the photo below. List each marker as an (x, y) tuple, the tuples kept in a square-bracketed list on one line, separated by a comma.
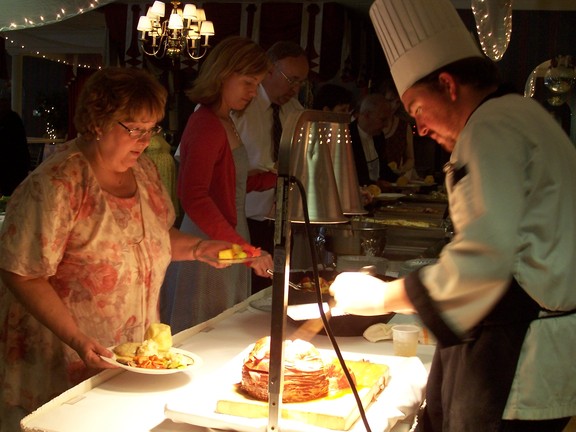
[(292, 82), (138, 134)]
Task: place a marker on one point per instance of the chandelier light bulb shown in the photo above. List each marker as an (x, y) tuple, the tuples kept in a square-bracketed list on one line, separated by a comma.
[(144, 24), (175, 22), (193, 33), (189, 12), (207, 28), (158, 9)]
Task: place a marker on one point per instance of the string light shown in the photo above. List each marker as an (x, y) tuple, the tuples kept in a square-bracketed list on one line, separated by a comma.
[(50, 18), (54, 57), (493, 25), (45, 17)]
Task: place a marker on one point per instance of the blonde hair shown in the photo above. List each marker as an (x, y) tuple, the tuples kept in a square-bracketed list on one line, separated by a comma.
[(233, 55), (118, 94)]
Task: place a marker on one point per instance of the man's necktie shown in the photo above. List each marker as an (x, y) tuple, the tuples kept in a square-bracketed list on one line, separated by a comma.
[(276, 130)]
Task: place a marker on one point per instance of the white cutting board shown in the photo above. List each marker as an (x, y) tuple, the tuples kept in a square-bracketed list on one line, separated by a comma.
[(337, 411)]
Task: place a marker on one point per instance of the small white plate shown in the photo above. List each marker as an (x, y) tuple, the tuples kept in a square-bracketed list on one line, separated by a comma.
[(406, 186), (422, 183), (196, 362), (389, 196), (237, 260)]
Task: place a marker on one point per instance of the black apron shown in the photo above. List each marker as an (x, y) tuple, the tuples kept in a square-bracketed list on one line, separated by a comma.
[(469, 383)]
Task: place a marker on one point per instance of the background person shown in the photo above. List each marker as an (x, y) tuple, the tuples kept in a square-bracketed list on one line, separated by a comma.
[(159, 152), (85, 245), (369, 144), (399, 135), (212, 183), (255, 125), (14, 154), (501, 299), (334, 98)]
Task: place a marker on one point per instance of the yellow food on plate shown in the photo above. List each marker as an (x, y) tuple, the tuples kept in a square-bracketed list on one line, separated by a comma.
[(429, 180), (239, 252), (236, 252), (307, 283), (393, 166), (125, 352), (402, 181), (374, 190), (161, 334)]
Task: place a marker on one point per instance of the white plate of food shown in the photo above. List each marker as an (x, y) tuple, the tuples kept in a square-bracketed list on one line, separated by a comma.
[(238, 254), (178, 360)]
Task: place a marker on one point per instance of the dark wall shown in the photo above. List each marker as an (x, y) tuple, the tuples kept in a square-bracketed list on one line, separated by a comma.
[(537, 36)]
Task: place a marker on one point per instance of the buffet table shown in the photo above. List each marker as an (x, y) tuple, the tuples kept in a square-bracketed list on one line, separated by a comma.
[(120, 400)]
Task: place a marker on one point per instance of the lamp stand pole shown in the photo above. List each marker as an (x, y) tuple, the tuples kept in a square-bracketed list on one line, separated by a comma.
[(282, 247)]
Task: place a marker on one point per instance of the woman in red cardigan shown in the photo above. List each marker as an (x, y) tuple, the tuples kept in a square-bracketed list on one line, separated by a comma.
[(212, 184)]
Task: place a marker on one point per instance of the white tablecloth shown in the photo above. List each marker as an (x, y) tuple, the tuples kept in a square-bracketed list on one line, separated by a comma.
[(120, 401)]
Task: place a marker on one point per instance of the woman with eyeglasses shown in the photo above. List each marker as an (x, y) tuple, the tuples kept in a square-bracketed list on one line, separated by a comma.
[(212, 184), (85, 245)]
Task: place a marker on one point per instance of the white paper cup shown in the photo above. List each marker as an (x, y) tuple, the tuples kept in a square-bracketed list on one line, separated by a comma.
[(405, 339)]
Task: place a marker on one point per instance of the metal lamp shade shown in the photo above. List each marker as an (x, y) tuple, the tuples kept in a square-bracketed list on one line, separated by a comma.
[(344, 168), (318, 130), (311, 163)]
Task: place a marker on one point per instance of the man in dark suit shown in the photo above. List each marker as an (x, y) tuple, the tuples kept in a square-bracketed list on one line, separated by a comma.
[(368, 142)]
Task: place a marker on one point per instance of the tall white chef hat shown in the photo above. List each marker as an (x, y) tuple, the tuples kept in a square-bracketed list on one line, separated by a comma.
[(420, 36)]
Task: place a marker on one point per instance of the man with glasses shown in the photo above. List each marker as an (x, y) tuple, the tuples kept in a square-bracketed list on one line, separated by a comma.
[(368, 142), (277, 92)]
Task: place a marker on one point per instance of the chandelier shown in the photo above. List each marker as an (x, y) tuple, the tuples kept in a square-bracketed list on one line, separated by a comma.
[(177, 36)]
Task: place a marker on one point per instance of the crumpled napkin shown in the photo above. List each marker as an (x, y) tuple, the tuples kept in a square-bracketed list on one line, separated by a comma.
[(381, 331)]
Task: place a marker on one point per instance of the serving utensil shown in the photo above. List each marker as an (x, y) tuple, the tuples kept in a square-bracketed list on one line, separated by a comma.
[(292, 284)]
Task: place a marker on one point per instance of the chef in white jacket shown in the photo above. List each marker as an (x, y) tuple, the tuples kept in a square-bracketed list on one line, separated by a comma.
[(501, 300)]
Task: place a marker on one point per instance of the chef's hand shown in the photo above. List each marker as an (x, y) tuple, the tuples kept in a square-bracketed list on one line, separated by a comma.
[(359, 293), (261, 264)]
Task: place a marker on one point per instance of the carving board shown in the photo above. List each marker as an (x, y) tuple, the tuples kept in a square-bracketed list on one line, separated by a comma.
[(337, 411)]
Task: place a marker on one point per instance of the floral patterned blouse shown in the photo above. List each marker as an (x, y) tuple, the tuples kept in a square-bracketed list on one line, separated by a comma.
[(105, 256)]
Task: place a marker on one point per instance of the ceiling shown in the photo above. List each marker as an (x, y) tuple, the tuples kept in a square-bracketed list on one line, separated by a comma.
[(19, 14), (73, 27)]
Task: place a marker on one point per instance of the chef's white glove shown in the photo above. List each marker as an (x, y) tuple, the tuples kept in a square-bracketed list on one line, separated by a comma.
[(359, 293)]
